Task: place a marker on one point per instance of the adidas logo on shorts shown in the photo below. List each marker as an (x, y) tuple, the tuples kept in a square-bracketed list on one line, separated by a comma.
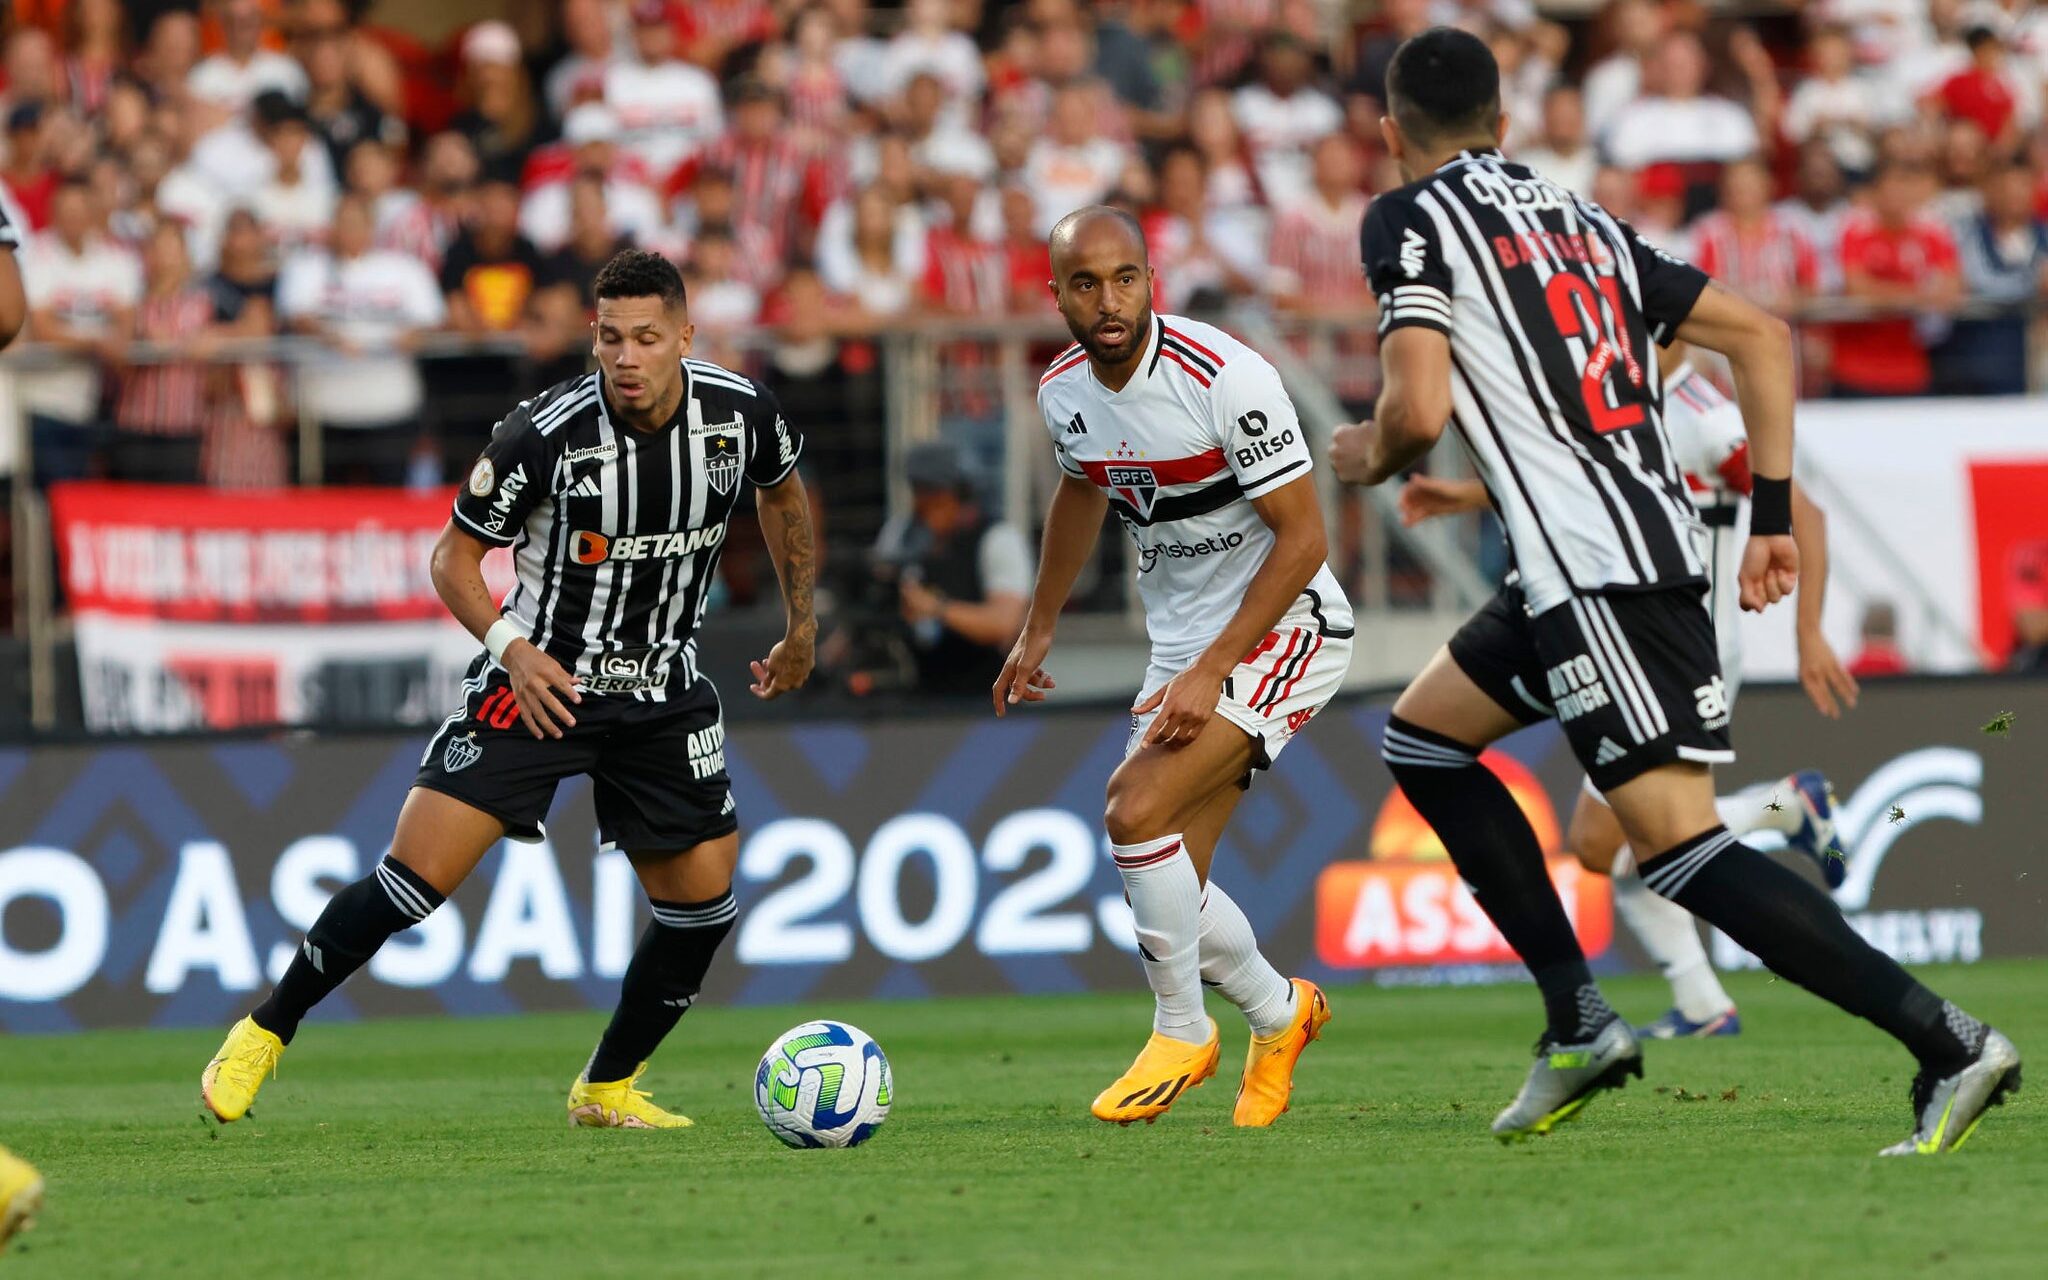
[(1608, 753)]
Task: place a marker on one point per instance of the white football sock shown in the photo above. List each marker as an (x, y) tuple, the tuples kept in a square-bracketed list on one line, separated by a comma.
[(1672, 937), (1233, 964), (1166, 908), (1750, 809)]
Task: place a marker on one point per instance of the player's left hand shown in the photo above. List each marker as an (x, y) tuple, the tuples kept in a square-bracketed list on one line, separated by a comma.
[(1185, 704), (1770, 571), (1824, 676), (786, 668), (1351, 448)]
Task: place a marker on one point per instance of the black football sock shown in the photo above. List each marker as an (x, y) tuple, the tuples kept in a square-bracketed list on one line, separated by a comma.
[(663, 979), (392, 898), (1498, 856), (1799, 933)]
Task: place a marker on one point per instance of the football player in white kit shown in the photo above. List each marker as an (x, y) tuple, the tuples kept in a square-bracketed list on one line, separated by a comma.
[(1189, 437), (1708, 441)]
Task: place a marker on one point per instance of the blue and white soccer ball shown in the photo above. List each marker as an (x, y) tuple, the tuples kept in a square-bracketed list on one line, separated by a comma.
[(823, 1084)]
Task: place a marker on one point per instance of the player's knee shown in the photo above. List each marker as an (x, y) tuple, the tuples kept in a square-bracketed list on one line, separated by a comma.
[(1134, 812)]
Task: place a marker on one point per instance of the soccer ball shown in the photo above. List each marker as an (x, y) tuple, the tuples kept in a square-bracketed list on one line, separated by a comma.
[(823, 1084)]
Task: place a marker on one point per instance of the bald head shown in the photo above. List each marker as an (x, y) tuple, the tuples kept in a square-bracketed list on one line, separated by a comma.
[(1102, 283), (1097, 226)]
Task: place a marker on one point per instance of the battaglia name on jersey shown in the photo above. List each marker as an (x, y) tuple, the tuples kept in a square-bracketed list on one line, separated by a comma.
[(596, 548), (1213, 545)]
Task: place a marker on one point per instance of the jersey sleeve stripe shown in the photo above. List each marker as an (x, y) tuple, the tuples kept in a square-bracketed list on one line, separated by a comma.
[(1261, 487), (495, 539), (1418, 293), (1185, 340)]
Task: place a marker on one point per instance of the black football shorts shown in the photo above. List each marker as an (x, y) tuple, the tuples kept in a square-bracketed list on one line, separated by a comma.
[(1633, 678), (658, 767)]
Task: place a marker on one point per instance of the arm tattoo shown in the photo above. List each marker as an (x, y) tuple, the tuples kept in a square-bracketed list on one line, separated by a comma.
[(799, 566)]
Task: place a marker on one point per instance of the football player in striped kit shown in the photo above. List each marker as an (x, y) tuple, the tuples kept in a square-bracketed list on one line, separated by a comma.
[(614, 491), (1188, 436), (1708, 442), (1523, 316)]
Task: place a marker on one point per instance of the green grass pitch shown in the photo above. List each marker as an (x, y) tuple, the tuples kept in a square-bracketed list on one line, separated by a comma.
[(440, 1149)]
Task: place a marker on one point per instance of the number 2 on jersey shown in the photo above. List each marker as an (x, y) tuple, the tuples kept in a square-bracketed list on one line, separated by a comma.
[(1575, 307)]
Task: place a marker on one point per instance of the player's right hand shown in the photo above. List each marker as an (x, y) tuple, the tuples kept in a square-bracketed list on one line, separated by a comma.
[(535, 678), (1770, 571), (1024, 677), (1425, 497)]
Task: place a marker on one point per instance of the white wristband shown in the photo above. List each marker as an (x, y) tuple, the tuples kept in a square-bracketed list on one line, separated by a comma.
[(502, 633)]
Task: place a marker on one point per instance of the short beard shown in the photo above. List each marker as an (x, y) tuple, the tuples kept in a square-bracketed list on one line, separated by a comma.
[(1141, 332)]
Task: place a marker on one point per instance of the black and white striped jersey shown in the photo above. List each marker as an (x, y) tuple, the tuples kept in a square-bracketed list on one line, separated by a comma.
[(616, 533), (1551, 304)]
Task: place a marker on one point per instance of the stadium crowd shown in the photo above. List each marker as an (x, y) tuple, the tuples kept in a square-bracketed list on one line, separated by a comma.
[(827, 169)]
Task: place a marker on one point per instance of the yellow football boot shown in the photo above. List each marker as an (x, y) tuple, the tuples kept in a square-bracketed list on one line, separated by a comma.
[(1165, 1069), (21, 1195), (616, 1104), (247, 1057), (1269, 1062)]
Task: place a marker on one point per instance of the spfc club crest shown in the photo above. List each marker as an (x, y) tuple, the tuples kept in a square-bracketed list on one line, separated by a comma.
[(462, 752), (1135, 485), (722, 461)]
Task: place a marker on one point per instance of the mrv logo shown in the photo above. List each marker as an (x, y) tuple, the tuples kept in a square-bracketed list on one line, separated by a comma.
[(1924, 786), (508, 493)]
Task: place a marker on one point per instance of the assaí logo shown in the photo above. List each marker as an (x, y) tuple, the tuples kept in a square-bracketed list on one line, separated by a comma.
[(1927, 785)]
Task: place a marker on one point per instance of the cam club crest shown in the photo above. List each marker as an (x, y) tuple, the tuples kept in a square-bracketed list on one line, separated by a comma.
[(461, 753), (722, 461)]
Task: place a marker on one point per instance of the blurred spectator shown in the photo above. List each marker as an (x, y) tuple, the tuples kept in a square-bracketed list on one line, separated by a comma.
[(1559, 151), (82, 292), (2004, 253), (1635, 27), (965, 273), (872, 249), (245, 446), (1282, 114), (1204, 256), (243, 68), (1233, 183), (1314, 265), (720, 302), (95, 51), (1527, 58), (31, 180), (1964, 165), (124, 120), (424, 228), (1124, 61), (370, 306), (501, 120), (294, 206), (1816, 209), (163, 406), (244, 287), (809, 77), (928, 42), (579, 75), (491, 270), (338, 111), (1074, 164), (934, 143), (1749, 247), (590, 136), (1675, 120), (170, 55), (1879, 653), (666, 107), (1835, 105), (1399, 19), (1030, 259), (962, 580), (713, 30), (1893, 256), (711, 201), (778, 186), (242, 156), (2026, 597), (1989, 93), (590, 245), (860, 56), (34, 69)]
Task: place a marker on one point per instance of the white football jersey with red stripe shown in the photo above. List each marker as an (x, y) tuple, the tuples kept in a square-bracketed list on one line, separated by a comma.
[(1202, 427), (1708, 440)]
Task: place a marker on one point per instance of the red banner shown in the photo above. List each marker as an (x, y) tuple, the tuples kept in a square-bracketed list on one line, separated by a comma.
[(286, 555), (2012, 548)]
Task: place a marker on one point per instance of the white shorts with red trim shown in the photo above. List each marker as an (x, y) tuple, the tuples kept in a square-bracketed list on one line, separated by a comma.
[(1280, 685)]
